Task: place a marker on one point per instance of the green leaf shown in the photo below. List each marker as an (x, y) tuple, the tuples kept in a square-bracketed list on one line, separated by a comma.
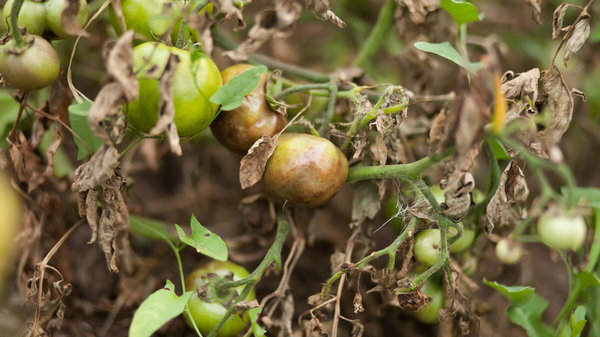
[(588, 279), (526, 308), (447, 51), (515, 294), (577, 321), (462, 11), (257, 330), (529, 317), (150, 228), (585, 196), (230, 95), (156, 310), (205, 241), (78, 117), (498, 150)]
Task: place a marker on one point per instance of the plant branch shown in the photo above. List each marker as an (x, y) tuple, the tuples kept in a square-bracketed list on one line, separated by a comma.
[(401, 171), (382, 26), (333, 89)]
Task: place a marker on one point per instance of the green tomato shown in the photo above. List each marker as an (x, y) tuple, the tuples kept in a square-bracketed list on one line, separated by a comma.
[(305, 170), (209, 310), (429, 314), (562, 231), (463, 242), (151, 18), (10, 220), (196, 79), (30, 69), (427, 246), (32, 16), (239, 128), (54, 10), (508, 251)]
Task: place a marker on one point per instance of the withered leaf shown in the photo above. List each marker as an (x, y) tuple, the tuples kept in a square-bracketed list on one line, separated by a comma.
[(537, 11), (202, 23), (276, 22), (231, 11), (557, 19), (119, 65), (321, 10), (253, 164), (458, 195), (418, 9), (69, 19), (577, 38), (97, 170), (521, 85), (26, 162), (51, 151), (166, 108), (506, 206), (366, 202)]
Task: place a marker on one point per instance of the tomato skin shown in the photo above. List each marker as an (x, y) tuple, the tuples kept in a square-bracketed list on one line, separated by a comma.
[(54, 10), (239, 128), (427, 246), (429, 314), (208, 314), (34, 68), (305, 170), (194, 82), (10, 223), (142, 16), (464, 242), (32, 16), (562, 231), (508, 251)]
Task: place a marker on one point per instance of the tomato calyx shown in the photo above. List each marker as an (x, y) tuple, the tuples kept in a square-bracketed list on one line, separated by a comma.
[(213, 291)]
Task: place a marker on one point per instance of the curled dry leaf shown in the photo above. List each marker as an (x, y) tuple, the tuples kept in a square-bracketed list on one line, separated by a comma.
[(557, 19), (277, 22), (69, 20), (166, 107), (101, 201), (231, 11), (458, 196), (52, 307), (522, 85), (112, 96), (537, 11), (26, 162), (202, 23), (418, 9), (253, 164), (506, 208), (366, 202), (577, 38), (321, 9), (559, 103)]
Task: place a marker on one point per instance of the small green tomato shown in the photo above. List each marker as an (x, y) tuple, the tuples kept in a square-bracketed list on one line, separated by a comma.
[(508, 251), (429, 314), (562, 231)]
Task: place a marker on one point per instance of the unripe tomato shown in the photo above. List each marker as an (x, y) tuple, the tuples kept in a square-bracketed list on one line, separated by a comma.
[(305, 170), (205, 308), (239, 128), (194, 82), (562, 231), (427, 246), (508, 251), (151, 18), (32, 16), (429, 314), (54, 10), (463, 242), (10, 218), (33, 68)]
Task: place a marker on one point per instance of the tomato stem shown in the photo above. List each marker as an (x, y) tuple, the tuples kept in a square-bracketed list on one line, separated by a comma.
[(382, 26), (14, 18)]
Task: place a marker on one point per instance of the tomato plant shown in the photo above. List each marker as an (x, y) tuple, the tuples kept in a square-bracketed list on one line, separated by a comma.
[(195, 80), (239, 128), (208, 308), (305, 170), (31, 68)]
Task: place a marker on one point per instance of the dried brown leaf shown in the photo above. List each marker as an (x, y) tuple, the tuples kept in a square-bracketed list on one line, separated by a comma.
[(51, 151), (69, 20), (418, 9), (537, 11), (321, 9), (366, 202), (202, 24), (577, 38), (506, 206), (557, 19), (166, 107), (253, 164), (457, 195), (97, 170), (231, 11), (26, 162), (521, 85), (276, 22), (119, 65)]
